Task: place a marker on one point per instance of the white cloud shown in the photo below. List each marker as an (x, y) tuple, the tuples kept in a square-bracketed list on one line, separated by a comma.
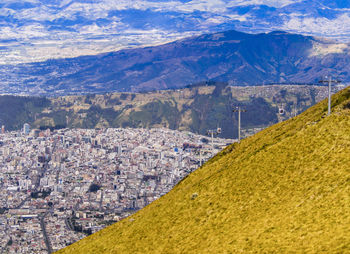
[(324, 26), (73, 46), (7, 33), (23, 33), (271, 3), (16, 1), (241, 18), (41, 13), (106, 30), (322, 49), (215, 6), (6, 12)]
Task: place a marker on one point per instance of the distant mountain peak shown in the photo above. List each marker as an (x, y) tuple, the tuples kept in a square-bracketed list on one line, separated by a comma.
[(234, 57)]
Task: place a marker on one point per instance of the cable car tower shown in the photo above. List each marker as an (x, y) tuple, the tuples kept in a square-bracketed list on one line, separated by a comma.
[(329, 81), (239, 110), (212, 133), (295, 111)]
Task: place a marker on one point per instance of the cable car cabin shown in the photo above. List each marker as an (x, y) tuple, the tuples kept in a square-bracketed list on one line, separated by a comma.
[(281, 111)]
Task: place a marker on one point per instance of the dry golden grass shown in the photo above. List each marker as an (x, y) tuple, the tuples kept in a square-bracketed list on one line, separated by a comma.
[(284, 190)]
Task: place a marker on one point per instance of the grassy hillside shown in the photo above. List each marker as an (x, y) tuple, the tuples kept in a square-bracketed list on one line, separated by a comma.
[(284, 190)]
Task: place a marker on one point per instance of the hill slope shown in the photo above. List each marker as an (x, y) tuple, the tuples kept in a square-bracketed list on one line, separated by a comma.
[(231, 56), (286, 189), (196, 109)]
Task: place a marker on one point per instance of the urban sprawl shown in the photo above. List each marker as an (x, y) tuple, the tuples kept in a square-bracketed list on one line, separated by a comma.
[(60, 186)]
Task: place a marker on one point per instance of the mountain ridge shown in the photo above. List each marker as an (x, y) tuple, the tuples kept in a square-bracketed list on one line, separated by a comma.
[(197, 108), (234, 57)]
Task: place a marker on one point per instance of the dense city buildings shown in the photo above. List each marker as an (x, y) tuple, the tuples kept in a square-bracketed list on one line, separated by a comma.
[(57, 187)]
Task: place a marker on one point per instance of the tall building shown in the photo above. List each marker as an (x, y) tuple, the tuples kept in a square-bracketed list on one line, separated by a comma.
[(26, 128), (3, 129)]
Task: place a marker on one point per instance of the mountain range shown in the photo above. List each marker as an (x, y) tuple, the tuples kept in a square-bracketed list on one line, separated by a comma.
[(37, 30), (234, 57), (285, 189)]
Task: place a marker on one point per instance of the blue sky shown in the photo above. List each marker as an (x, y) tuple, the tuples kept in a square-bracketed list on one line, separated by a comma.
[(36, 30)]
